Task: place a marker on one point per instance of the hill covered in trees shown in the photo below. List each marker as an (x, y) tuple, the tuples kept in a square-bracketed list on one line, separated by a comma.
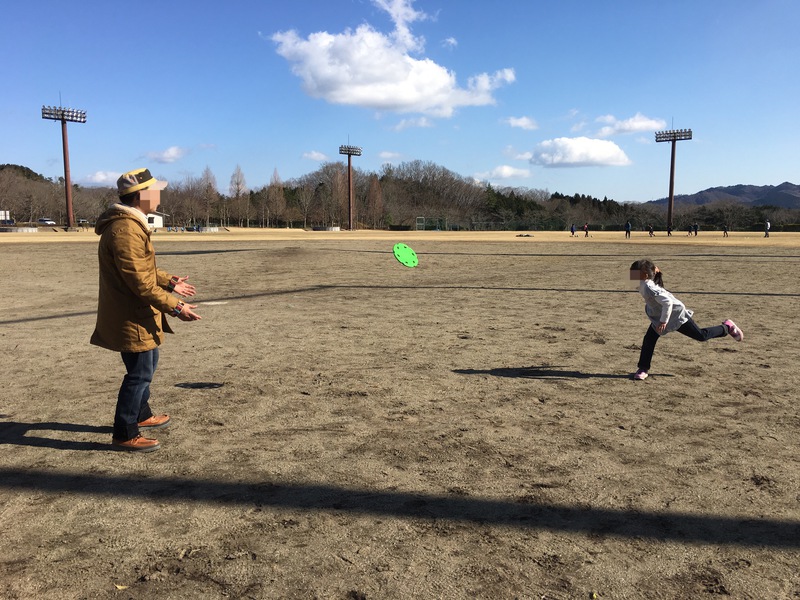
[(23, 172), (785, 195), (396, 197)]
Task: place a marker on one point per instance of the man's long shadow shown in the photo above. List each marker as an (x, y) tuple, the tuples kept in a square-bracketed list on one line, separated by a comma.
[(17, 433), (534, 372), (520, 513)]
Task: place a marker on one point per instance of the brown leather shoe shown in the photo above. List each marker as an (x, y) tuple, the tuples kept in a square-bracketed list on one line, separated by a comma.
[(137, 444), (155, 421)]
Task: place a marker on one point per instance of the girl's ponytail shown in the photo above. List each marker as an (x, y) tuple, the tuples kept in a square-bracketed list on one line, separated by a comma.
[(657, 279)]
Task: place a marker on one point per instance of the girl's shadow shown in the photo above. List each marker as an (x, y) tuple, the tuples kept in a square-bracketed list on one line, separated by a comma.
[(535, 372)]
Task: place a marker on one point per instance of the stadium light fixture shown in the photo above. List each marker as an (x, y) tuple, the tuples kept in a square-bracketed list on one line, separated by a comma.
[(672, 135), (59, 113), (350, 151)]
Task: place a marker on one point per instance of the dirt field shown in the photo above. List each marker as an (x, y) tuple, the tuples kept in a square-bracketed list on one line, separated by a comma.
[(345, 428)]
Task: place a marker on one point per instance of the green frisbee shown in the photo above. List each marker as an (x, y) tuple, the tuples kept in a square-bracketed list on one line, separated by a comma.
[(405, 255)]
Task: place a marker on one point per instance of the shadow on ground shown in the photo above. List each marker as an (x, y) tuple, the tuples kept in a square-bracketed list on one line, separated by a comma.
[(520, 513), (542, 373)]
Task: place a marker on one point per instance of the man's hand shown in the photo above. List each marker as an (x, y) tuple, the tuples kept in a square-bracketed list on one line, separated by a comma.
[(182, 288), (187, 314), (661, 327)]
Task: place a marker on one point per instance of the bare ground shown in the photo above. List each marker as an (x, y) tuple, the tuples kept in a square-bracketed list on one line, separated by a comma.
[(347, 428)]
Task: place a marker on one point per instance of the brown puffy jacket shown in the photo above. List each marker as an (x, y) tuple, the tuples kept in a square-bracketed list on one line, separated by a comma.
[(133, 295)]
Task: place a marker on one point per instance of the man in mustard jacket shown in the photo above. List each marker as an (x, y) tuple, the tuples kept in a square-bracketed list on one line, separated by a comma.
[(134, 298)]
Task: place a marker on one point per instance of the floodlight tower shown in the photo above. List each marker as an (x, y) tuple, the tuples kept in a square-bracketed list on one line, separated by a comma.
[(59, 113), (351, 151), (672, 135)]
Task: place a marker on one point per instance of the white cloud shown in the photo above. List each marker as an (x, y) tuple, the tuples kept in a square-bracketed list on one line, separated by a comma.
[(512, 152), (371, 69), (450, 42), (170, 155), (314, 155), (102, 178), (578, 127), (409, 123), (402, 13), (579, 152), (522, 122), (636, 124), (387, 156), (503, 172)]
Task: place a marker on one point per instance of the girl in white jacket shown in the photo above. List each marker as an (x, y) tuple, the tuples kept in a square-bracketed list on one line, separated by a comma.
[(667, 313)]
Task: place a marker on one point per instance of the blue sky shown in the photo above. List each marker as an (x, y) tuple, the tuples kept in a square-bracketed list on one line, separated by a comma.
[(559, 95)]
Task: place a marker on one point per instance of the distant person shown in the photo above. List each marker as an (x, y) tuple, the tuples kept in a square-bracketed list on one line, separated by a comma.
[(650, 230), (725, 230), (696, 227), (572, 230), (585, 230), (766, 228), (689, 229), (627, 230), (667, 313), (134, 300), (669, 230)]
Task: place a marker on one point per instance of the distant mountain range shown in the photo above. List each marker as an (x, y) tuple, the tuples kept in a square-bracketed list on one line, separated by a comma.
[(785, 195)]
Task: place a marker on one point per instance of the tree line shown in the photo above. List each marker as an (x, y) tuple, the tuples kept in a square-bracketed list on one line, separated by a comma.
[(395, 197)]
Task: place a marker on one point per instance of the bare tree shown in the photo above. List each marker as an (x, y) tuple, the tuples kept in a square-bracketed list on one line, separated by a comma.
[(305, 196), (276, 201), (333, 193), (209, 192), (374, 202), (30, 200), (238, 192), (88, 203), (183, 201), (782, 216)]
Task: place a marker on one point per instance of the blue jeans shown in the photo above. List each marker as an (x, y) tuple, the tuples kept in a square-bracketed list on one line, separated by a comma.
[(134, 394), (689, 329)]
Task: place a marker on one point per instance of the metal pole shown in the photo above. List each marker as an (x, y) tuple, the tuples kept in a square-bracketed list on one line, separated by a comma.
[(673, 136), (350, 151), (350, 189), (671, 186), (67, 181)]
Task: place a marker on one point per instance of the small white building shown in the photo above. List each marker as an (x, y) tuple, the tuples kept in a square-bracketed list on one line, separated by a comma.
[(155, 221)]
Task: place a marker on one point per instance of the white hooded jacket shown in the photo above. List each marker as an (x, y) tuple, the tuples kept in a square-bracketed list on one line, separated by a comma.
[(662, 307)]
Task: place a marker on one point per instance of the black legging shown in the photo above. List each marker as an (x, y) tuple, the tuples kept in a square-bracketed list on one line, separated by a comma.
[(689, 329)]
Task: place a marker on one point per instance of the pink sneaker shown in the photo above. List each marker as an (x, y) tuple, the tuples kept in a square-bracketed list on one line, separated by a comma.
[(733, 330), (640, 375)]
